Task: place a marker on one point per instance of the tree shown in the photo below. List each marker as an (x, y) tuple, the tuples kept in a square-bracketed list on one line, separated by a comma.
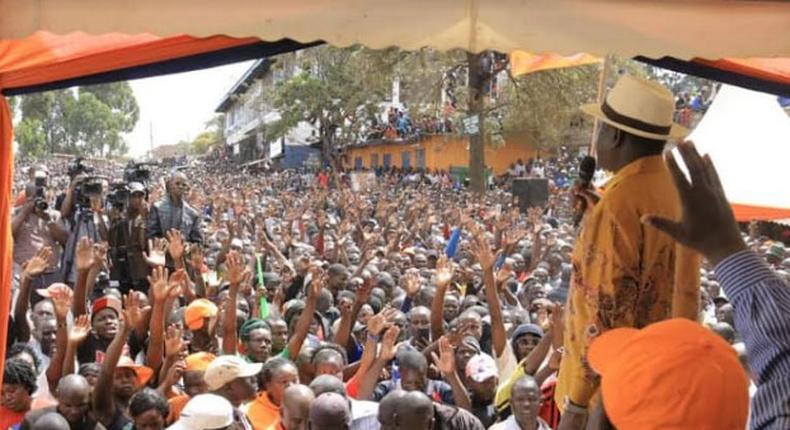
[(88, 120), (545, 105), (336, 90)]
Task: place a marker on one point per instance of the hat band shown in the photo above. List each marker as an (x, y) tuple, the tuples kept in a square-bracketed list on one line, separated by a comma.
[(633, 122)]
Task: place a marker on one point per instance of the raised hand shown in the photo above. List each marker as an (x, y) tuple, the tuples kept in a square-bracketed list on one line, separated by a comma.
[(177, 283), (316, 284), (174, 342), (707, 224), (444, 272), (377, 323), (412, 284), (196, 256), (38, 263), (100, 255), (157, 255), (132, 308), (445, 361), (482, 251), (83, 254), (175, 244), (363, 292), (236, 268), (388, 349), (79, 331), (174, 373), (158, 283), (62, 297)]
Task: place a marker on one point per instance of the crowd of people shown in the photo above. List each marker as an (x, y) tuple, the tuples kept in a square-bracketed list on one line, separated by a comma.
[(400, 125), (203, 298)]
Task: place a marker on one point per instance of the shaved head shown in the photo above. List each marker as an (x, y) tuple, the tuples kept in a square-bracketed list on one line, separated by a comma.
[(51, 421), (295, 411), (388, 409), (415, 411), (327, 384), (74, 397)]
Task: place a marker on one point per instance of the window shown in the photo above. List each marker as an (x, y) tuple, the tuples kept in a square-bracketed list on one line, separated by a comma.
[(374, 161), (405, 158), (358, 163), (387, 160), (421, 158)]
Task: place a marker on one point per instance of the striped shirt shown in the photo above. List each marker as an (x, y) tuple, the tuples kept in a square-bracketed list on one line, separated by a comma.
[(762, 315)]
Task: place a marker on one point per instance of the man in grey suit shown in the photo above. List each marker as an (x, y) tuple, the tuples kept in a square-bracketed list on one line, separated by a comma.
[(172, 212)]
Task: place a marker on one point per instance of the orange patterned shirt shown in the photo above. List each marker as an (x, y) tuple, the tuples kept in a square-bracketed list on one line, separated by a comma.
[(623, 271)]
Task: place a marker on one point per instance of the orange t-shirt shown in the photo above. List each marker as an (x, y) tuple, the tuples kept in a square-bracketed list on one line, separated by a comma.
[(262, 412), (10, 418), (177, 404)]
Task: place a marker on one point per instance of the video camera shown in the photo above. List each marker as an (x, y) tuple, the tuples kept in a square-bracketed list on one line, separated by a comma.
[(40, 195), (118, 195), (138, 172), (87, 188), (76, 166)]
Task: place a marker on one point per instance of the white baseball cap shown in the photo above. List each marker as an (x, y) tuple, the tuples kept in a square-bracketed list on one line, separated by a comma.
[(226, 368), (205, 412)]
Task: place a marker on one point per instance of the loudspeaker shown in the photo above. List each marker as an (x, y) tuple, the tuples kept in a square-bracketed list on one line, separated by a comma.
[(531, 192)]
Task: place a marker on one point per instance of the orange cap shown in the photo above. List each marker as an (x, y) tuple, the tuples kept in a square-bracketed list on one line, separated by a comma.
[(144, 373), (197, 311), (674, 374), (199, 360)]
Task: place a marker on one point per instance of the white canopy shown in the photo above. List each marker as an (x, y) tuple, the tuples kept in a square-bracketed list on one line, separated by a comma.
[(709, 29), (747, 135)]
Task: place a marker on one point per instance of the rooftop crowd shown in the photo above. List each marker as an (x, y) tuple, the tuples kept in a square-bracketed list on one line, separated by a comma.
[(205, 298)]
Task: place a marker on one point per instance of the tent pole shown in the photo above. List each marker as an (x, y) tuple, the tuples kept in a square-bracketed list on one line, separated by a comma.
[(6, 242)]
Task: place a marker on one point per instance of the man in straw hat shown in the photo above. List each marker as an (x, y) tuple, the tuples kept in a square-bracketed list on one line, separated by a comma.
[(624, 273)]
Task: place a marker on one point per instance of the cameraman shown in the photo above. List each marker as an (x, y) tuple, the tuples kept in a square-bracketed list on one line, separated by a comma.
[(35, 226), (83, 212), (127, 238)]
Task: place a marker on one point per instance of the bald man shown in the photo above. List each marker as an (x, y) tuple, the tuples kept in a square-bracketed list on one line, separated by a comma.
[(388, 410), (330, 411), (411, 410), (363, 413), (51, 421), (74, 402), (172, 212), (295, 411)]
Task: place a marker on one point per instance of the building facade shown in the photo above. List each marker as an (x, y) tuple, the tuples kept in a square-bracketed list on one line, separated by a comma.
[(248, 112)]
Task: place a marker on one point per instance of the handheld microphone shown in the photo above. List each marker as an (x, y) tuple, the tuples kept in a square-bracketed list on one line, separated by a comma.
[(586, 172)]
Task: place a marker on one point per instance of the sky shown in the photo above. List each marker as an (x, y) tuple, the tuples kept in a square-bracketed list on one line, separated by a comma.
[(176, 107)]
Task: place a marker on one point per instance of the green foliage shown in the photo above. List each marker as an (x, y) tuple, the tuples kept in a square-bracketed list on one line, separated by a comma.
[(338, 91), (545, 105), (89, 121)]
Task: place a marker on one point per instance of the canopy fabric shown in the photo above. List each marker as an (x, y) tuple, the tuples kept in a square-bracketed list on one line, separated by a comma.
[(654, 28), (747, 135), (771, 75), (46, 58), (523, 62)]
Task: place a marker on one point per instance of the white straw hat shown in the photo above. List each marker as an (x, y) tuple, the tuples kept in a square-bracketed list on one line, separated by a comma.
[(640, 107)]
